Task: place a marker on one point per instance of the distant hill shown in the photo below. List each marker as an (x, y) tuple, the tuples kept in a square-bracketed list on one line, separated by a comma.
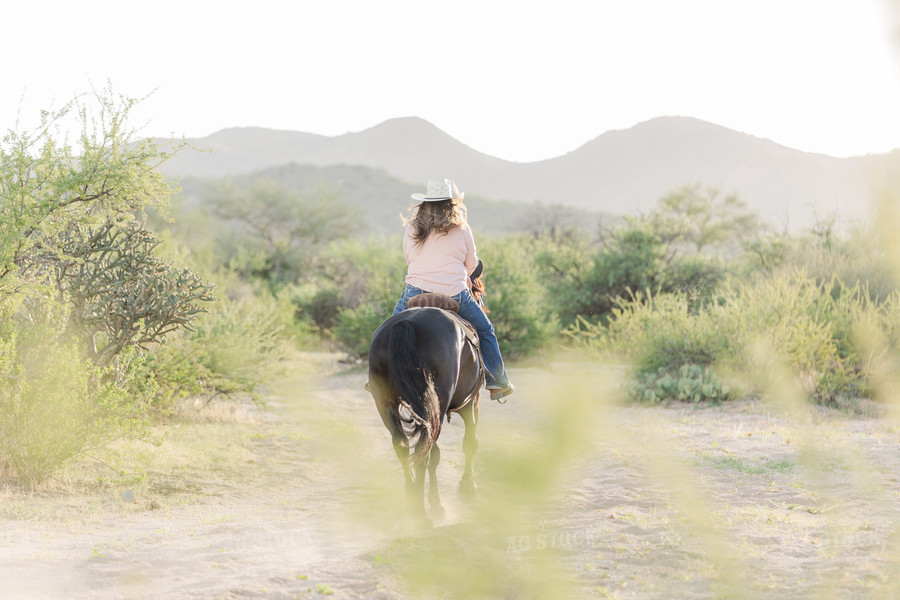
[(381, 198), (619, 172)]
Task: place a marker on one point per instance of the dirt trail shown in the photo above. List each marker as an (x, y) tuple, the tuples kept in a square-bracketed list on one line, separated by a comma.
[(675, 502)]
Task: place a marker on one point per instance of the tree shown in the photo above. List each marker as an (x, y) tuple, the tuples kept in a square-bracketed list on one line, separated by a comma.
[(48, 186), (68, 218), (585, 278), (588, 279), (704, 218), (273, 230), (557, 222)]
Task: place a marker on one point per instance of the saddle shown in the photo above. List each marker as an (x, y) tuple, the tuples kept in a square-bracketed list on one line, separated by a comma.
[(432, 300)]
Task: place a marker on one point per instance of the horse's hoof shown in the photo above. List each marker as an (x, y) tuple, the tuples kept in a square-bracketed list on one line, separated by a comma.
[(468, 491)]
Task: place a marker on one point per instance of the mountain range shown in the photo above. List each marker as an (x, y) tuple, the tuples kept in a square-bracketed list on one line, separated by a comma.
[(619, 172)]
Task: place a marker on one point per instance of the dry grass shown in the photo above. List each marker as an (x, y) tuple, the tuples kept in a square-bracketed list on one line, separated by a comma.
[(208, 449)]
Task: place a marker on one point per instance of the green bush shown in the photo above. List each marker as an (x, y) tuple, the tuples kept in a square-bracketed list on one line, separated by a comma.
[(653, 333), (319, 305), (356, 285), (354, 288), (779, 320), (266, 230), (866, 332), (750, 329), (523, 319), (857, 258), (566, 270), (55, 404), (355, 327), (236, 349), (585, 278), (698, 277)]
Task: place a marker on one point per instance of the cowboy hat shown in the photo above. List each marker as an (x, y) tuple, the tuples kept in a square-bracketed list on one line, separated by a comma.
[(439, 189)]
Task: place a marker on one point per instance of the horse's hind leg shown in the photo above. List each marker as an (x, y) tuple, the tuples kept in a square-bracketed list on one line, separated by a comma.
[(467, 488), (434, 497), (414, 475), (384, 394), (417, 496)]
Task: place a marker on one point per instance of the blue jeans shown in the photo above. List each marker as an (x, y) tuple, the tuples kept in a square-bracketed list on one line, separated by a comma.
[(471, 312)]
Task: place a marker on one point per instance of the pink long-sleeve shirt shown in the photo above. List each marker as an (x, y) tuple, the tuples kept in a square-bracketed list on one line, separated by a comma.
[(441, 263)]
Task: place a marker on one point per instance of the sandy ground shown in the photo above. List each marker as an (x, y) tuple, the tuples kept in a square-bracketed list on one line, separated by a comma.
[(578, 499)]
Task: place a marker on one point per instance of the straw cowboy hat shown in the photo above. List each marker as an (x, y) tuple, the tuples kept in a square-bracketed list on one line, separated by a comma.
[(437, 190)]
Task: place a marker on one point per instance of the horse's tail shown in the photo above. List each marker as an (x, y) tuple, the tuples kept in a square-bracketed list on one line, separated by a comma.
[(416, 389)]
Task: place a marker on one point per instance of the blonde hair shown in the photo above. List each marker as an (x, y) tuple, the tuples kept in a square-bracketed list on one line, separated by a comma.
[(437, 216)]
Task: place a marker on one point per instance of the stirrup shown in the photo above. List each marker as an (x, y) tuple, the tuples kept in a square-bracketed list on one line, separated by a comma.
[(499, 394)]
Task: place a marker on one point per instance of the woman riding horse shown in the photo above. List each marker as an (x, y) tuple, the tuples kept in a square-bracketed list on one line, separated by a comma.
[(423, 363)]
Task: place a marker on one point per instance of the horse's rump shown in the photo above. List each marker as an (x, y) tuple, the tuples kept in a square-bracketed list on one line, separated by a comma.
[(415, 385)]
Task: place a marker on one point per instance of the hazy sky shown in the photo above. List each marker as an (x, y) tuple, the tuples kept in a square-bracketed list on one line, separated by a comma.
[(522, 81)]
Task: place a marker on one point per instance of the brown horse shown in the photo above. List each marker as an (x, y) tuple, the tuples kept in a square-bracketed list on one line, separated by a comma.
[(423, 366)]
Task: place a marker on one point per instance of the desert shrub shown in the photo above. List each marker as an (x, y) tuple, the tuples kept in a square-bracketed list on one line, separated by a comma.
[(355, 327), (866, 332), (856, 257), (56, 405), (586, 278), (266, 230), (698, 277), (746, 331), (843, 308), (355, 287), (319, 305), (631, 259), (654, 333), (235, 349), (779, 319), (566, 269), (520, 310)]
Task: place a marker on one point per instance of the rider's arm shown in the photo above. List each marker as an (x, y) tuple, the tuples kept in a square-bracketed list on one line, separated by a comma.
[(408, 243), (471, 255)]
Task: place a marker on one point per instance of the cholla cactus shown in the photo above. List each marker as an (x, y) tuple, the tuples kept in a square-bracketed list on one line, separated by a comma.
[(123, 295)]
